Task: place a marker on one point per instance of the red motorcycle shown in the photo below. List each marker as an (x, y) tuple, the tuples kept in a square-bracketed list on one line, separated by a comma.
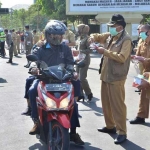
[(55, 105)]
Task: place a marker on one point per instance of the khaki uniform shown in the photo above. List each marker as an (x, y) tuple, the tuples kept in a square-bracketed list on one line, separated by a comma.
[(83, 47), (42, 36), (14, 39), (28, 42), (18, 43), (114, 72), (70, 36), (35, 39), (144, 50), (140, 64)]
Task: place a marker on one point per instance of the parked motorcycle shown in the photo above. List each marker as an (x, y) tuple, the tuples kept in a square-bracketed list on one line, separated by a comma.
[(55, 103)]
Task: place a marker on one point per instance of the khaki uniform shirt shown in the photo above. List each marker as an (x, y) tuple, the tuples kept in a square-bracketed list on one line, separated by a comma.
[(121, 57), (144, 50), (42, 37), (70, 36), (35, 39), (140, 64), (14, 38), (18, 38)]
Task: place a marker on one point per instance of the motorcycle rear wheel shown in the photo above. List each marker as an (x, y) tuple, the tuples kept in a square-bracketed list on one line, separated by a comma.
[(60, 137)]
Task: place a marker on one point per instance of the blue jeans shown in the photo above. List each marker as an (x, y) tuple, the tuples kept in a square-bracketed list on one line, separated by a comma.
[(33, 94), (29, 82)]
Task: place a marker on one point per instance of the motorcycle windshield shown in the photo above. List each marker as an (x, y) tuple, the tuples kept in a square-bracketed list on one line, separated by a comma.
[(58, 72)]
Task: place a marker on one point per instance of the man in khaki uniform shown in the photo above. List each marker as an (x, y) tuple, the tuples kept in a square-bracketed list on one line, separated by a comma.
[(144, 51), (18, 42), (14, 39), (42, 36), (28, 42), (83, 47), (113, 75), (69, 37), (35, 37)]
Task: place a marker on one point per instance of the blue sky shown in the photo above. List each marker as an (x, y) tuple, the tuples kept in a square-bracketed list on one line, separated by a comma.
[(10, 3)]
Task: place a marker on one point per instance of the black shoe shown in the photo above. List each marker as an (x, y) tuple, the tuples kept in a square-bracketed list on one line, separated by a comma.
[(139, 91), (120, 139), (106, 130), (80, 98), (76, 139), (79, 116), (27, 66), (90, 96), (9, 61), (137, 120), (27, 112)]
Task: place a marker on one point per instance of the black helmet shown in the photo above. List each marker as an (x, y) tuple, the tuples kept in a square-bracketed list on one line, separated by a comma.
[(55, 27)]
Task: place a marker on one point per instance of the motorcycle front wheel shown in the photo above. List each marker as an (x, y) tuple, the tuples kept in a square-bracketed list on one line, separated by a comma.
[(60, 137)]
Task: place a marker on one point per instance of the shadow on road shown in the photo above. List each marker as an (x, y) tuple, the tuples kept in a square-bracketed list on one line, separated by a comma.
[(94, 107), (87, 146), (94, 69), (37, 146), (130, 145), (5, 57), (127, 145), (14, 64), (146, 124), (18, 56), (3, 80)]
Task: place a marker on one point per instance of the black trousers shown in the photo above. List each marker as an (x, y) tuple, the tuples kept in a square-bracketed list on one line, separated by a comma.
[(2, 43)]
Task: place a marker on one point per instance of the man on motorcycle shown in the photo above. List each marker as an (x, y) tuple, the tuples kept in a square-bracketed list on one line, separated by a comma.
[(54, 53)]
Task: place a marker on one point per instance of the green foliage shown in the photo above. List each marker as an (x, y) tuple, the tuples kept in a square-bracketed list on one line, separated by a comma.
[(17, 19), (146, 19), (38, 15)]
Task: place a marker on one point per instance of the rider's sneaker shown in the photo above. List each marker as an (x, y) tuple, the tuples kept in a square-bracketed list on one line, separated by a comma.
[(27, 112), (76, 139), (35, 129)]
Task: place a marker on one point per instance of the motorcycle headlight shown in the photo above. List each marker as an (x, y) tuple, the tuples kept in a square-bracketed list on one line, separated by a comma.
[(49, 102), (64, 103)]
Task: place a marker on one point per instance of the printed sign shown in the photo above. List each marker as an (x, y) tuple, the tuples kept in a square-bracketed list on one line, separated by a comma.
[(96, 6)]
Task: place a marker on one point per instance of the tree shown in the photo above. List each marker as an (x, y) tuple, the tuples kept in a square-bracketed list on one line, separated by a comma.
[(22, 15)]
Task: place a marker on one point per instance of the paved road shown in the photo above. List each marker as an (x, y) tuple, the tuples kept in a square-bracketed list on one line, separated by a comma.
[(14, 127)]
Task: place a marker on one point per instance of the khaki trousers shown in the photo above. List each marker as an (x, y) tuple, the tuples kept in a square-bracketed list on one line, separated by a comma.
[(114, 108), (144, 105), (18, 47), (82, 77), (14, 49)]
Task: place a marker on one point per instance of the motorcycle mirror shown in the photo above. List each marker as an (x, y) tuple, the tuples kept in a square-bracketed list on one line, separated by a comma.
[(31, 57)]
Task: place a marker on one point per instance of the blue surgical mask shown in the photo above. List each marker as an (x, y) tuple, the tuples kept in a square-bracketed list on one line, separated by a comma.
[(113, 31), (143, 35)]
